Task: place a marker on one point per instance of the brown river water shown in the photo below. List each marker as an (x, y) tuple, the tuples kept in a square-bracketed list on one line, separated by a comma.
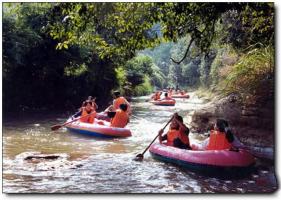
[(90, 165)]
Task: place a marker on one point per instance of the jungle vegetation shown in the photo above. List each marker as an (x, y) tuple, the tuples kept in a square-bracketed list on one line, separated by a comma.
[(57, 54)]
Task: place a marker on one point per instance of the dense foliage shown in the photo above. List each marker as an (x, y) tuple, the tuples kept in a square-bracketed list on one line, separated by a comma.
[(35, 73), (56, 54), (253, 76)]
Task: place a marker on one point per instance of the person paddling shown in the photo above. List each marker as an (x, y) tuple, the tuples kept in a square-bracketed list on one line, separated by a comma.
[(93, 100), (156, 96), (85, 111), (177, 135)]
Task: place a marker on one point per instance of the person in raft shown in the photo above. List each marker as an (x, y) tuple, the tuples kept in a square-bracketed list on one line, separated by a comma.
[(177, 135), (182, 92), (166, 97), (120, 118), (118, 100), (156, 96), (170, 92), (220, 138), (87, 113), (93, 100)]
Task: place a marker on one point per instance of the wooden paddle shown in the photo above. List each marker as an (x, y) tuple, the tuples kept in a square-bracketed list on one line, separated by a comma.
[(139, 157), (58, 126)]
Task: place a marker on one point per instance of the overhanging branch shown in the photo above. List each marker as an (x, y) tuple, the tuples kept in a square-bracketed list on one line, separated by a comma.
[(187, 50)]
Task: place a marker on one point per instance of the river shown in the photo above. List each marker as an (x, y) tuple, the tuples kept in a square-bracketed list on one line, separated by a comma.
[(90, 165)]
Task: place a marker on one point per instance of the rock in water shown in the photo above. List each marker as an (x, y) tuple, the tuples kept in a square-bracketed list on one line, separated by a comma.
[(37, 161)]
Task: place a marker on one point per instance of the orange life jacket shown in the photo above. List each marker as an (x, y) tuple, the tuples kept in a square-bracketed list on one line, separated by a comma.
[(157, 96), (172, 135), (120, 100), (218, 141), (120, 119), (90, 118)]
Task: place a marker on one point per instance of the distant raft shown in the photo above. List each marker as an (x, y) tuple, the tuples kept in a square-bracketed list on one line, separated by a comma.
[(211, 162), (97, 130), (170, 102), (183, 96)]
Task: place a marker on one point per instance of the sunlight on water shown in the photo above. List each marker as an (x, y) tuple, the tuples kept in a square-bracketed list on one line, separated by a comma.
[(91, 165)]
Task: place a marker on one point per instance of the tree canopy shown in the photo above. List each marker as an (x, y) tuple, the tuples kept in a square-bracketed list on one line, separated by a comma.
[(68, 51), (120, 29)]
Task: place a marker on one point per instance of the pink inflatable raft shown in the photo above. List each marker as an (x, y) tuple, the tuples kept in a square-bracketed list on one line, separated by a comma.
[(215, 162), (97, 130), (170, 102)]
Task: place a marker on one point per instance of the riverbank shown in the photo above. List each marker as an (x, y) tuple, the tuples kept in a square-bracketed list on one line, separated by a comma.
[(254, 130)]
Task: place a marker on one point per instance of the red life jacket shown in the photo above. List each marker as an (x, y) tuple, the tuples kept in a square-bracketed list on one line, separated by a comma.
[(218, 141)]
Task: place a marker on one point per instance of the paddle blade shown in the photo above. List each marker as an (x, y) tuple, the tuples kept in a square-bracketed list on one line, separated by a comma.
[(56, 127), (139, 157)]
